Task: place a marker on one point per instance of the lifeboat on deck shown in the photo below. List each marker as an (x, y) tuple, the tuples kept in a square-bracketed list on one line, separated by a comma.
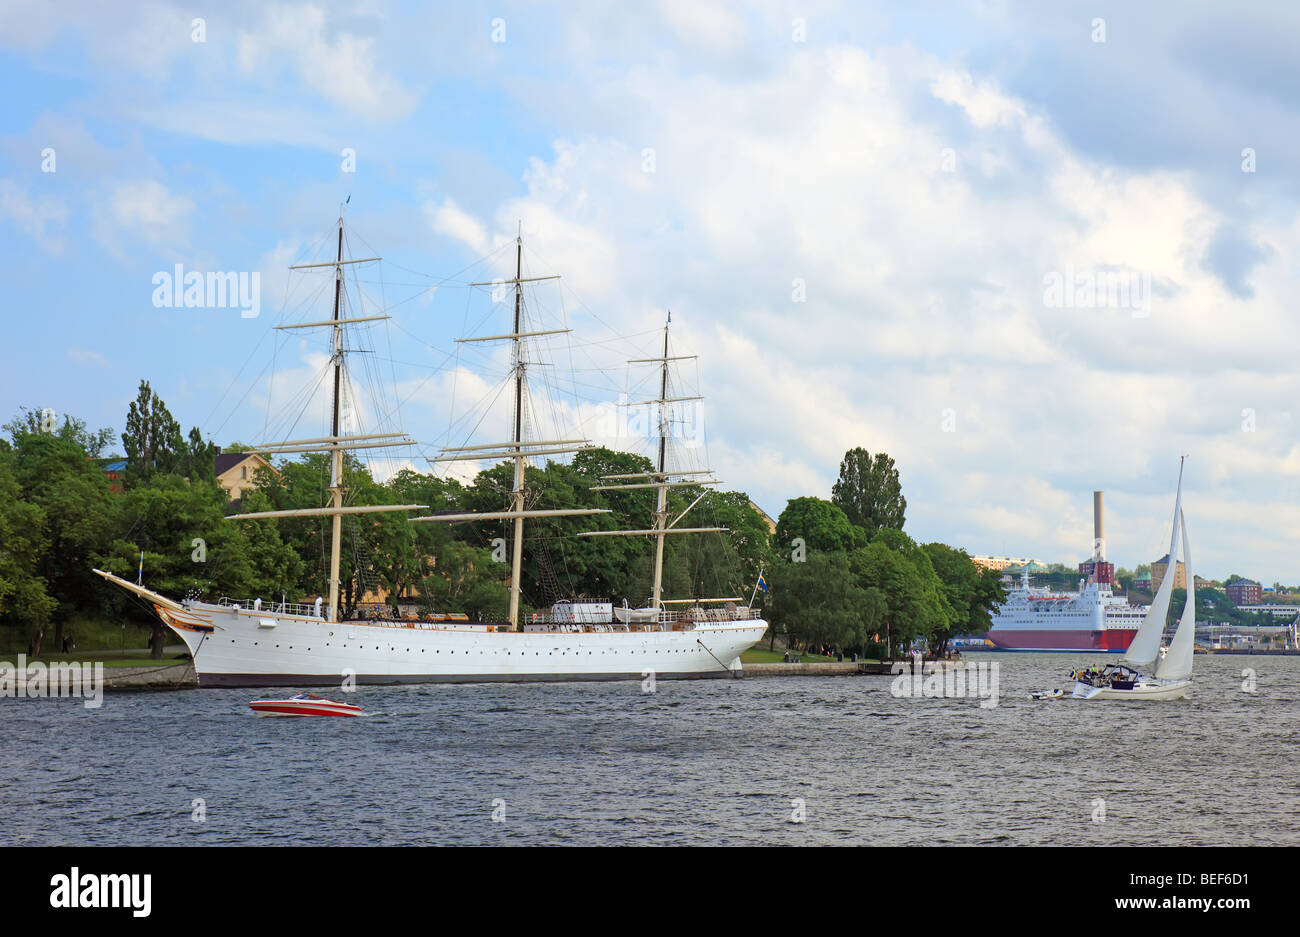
[(304, 704)]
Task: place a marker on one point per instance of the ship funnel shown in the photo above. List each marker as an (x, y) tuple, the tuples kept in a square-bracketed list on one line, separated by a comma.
[(1099, 525)]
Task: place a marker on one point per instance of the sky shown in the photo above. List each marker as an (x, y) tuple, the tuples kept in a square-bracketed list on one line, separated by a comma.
[(877, 224)]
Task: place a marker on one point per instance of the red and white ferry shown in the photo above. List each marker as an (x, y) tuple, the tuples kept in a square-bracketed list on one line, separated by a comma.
[(1092, 619)]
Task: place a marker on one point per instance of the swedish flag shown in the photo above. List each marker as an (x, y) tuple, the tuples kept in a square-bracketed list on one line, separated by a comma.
[(762, 583)]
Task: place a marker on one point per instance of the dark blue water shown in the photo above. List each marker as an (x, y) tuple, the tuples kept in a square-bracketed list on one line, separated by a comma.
[(696, 762)]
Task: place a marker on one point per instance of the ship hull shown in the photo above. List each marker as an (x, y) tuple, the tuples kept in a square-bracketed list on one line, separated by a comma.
[(1108, 641), (253, 648), (1152, 690)]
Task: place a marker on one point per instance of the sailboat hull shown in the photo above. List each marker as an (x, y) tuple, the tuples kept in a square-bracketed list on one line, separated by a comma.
[(241, 647), (1153, 690)]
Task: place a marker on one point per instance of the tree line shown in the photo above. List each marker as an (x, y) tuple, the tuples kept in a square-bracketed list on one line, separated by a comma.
[(849, 579), (840, 574)]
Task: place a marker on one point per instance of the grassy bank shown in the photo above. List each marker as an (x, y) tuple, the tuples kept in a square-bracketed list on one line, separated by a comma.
[(131, 657), (758, 655), (86, 634)]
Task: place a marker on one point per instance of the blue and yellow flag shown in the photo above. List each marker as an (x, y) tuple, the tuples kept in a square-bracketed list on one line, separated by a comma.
[(762, 583)]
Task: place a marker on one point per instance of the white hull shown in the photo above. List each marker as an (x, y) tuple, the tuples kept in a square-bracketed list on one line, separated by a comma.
[(244, 647), (1146, 690)]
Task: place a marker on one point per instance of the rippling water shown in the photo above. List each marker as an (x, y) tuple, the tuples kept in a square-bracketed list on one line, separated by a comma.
[(697, 762)]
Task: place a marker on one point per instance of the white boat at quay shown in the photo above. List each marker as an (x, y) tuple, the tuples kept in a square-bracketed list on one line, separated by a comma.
[(1173, 669), (252, 643)]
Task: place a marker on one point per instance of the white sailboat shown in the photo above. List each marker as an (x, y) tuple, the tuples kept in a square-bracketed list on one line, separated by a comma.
[(1173, 666), (251, 643)]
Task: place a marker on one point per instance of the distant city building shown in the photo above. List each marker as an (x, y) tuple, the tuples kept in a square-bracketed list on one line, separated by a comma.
[(1098, 571), (1000, 563), (1244, 592), (1142, 582), (1276, 610), (237, 472), (113, 470), (1160, 567)]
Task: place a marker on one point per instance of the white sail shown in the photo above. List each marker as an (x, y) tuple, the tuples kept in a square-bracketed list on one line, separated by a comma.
[(1177, 664), (1145, 647)]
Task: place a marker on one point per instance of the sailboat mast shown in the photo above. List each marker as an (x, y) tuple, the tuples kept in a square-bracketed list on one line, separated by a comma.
[(1173, 535), (661, 498), (336, 457), (517, 495)]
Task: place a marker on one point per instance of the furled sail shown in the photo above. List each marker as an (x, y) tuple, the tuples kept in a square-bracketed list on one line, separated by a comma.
[(1177, 664), (1145, 647)]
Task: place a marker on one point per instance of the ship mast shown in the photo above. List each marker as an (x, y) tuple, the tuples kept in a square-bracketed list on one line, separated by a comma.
[(516, 450), (336, 457), (336, 443), (517, 493), (661, 494), (661, 479)]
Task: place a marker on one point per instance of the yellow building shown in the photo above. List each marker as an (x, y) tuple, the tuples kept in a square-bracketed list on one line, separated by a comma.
[(237, 472), (1160, 567), (771, 524), (1000, 563)]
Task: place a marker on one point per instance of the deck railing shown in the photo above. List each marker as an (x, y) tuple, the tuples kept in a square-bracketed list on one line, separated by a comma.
[(280, 608)]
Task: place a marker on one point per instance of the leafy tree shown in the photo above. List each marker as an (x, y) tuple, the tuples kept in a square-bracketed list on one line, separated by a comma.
[(465, 579), (28, 422), (24, 600), (972, 593), (820, 524), (817, 602), (197, 459), (55, 474), (276, 568), (152, 438), (915, 603), (163, 517), (868, 491)]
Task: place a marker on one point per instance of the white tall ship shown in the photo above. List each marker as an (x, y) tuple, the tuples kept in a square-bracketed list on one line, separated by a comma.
[(257, 643)]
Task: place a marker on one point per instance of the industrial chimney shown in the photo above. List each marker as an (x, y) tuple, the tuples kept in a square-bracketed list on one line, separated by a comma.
[(1099, 525)]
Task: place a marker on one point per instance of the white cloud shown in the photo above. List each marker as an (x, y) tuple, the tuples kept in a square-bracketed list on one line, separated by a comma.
[(337, 64), (86, 356), (144, 210), (704, 24), (924, 293), (450, 220), (39, 218)]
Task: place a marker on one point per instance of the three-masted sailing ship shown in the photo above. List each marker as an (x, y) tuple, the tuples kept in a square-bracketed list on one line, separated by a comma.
[(257, 643)]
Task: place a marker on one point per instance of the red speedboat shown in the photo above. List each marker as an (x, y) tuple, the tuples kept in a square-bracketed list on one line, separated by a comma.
[(304, 704)]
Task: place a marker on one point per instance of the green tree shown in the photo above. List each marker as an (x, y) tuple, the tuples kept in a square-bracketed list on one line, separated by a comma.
[(915, 603), (55, 474), (817, 602), (198, 457), (29, 422), (972, 593), (24, 601), (152, 438), (820, 524), (868, 491), (188, 545)]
